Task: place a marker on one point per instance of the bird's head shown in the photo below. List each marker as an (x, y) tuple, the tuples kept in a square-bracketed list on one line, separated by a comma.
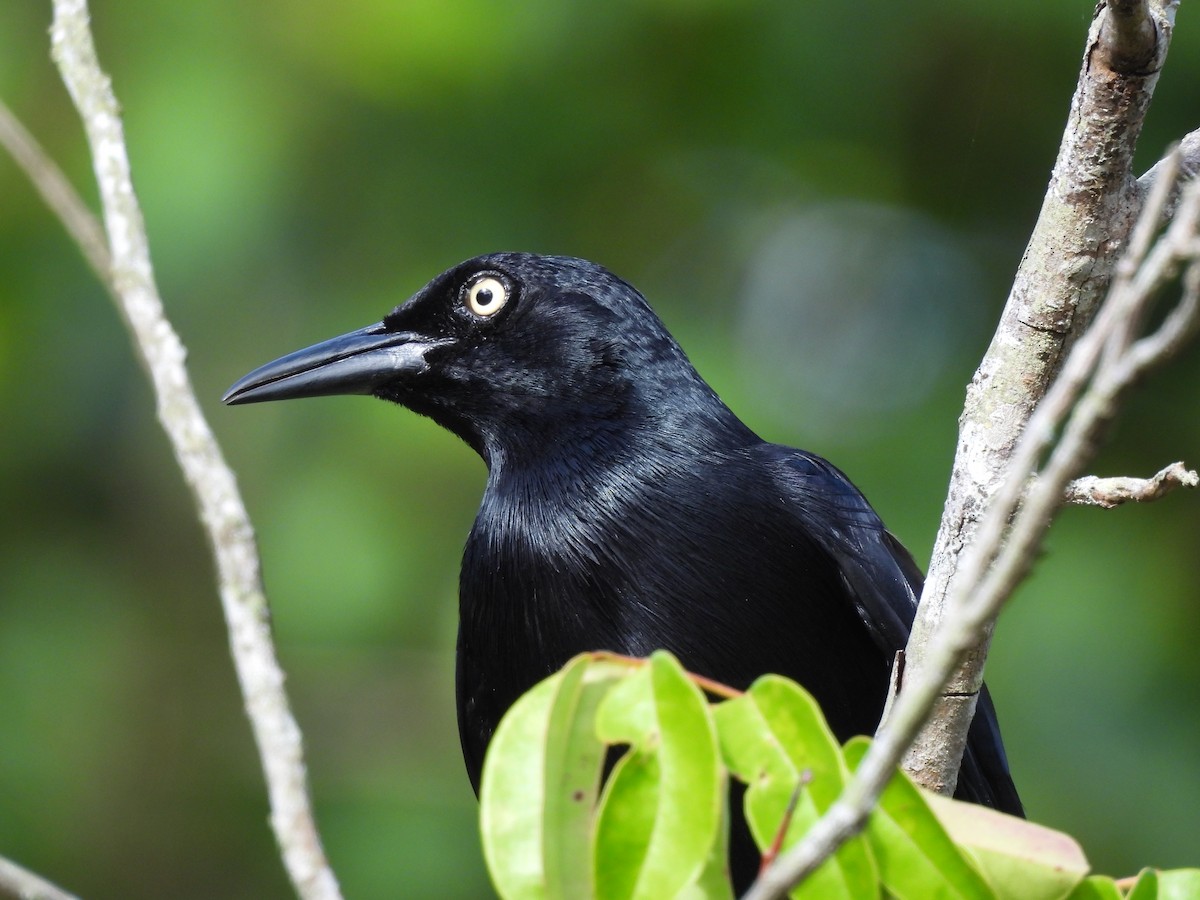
[(504, 347)]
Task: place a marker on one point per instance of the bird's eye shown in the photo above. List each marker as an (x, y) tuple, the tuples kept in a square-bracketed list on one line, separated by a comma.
[(487, 296)]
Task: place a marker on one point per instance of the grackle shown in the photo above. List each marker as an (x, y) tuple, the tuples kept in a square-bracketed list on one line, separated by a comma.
[(627, 508)]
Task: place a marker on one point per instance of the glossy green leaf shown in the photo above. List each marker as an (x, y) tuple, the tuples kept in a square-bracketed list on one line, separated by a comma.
[(776, 740), (574, 760), (660, 815), (1179, 884), (713, 883), (540, 781), (1096, 887), (512, 794), (1020, 859), (1146, 887), (1170, 884), (916, 857)]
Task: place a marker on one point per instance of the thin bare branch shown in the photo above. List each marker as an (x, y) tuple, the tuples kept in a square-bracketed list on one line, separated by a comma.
[(57, 193), (1188, 154), (1158, 196), (130, 278), (24, 885), (1109, 492), (1177, 328)]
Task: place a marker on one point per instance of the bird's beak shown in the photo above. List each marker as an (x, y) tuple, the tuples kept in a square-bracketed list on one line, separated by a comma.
[(355, 363)]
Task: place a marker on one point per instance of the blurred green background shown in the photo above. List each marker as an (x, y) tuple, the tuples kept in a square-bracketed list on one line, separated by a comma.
[(825, 208)]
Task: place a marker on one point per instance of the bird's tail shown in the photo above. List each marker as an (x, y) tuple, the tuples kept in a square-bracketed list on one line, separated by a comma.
[(983, 777)]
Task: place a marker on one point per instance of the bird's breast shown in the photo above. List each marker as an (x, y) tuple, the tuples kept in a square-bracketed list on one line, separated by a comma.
[(718, 573)]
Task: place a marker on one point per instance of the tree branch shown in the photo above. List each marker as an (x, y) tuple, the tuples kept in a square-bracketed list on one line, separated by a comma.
[(1189, 166), (123, 264), (1104, 362), (23, 884), (1110, 492), (1129, 39), (57, 194), (1086, 217)]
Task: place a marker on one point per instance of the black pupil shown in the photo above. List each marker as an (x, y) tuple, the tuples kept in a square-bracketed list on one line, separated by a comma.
[(484, 297)]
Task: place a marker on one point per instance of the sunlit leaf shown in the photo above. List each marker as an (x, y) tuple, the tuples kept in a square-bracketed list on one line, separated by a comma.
[(512, 794), (775, 739), (574, 760), (1020, 859), (713, 883), (1146, 887), (916, 858), (1096, 887), (540, 781), (1179, 884), (660, 814), (1171, 884)]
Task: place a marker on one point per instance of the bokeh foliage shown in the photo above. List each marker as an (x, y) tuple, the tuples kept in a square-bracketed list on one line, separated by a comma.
[(826, 209)]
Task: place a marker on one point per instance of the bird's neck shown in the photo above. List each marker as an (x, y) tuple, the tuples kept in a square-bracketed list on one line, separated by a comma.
[(581, 465), (553, 506), (596, 439)]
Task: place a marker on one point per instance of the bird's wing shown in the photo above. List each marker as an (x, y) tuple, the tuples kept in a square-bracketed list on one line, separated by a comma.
[(879, 574), (885, 583)]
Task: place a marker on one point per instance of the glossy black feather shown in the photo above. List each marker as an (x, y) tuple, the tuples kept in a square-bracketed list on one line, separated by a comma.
[(628, 509)]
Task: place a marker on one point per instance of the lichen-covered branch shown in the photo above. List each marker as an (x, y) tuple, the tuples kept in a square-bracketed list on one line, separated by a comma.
[(1189, 167), (1103, 363), (128, 275), (1110, 492), (1129, 38), (1089, 208)]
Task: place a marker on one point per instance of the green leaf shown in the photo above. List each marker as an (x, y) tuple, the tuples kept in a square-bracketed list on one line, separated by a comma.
[(1171, 884), (1021, 860), (1179, 884), (1096, 887), (661, 812), (574, 761), (540, 781), (1146, 887), (512, 794), (775, 739), (713, 883), (916, 857)]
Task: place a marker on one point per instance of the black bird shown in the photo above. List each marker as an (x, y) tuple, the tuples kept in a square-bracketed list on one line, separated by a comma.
[(627, 508)]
